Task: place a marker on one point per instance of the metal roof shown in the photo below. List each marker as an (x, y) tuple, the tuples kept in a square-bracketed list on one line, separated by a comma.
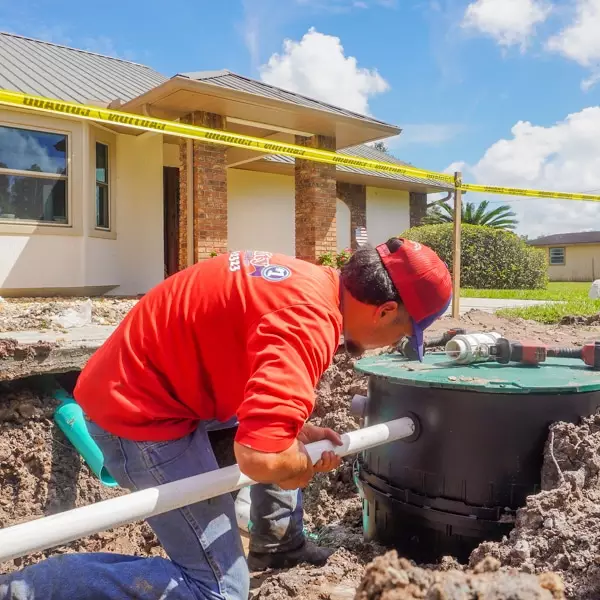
[(227, 79), (46, 69), (368, 152), (565, 239)]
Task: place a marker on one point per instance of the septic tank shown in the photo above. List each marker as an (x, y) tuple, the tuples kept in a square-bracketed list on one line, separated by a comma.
[(477, 452)]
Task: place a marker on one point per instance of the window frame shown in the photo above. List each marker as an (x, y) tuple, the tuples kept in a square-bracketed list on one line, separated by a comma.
[(564, 256), (105, 184), (100, 135), (15, 223)]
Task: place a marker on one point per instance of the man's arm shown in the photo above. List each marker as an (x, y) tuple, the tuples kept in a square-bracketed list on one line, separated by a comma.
[(293, 464), (288, 351)]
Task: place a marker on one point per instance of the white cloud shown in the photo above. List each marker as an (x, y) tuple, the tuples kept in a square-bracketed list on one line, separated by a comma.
[(264, 19), (562, 157), (580, 40), (509, 22), (317, 67), (427, 134), (456, 166), (338, 6)]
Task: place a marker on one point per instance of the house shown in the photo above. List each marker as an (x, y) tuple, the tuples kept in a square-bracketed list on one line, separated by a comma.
[(572, 256), (91, 209)]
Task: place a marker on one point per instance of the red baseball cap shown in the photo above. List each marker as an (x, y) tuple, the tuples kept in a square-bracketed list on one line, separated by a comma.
[(423, 282)]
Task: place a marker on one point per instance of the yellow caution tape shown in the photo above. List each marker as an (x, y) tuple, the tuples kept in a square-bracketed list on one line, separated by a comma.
[(115, 117), (216, 136), (490, 189)]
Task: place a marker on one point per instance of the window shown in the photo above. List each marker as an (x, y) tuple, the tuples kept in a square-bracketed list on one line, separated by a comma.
[(33, 176), (557, 256), (102, 187)]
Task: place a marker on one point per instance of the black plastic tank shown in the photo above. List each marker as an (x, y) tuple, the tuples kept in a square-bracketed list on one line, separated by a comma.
[(477, 453)]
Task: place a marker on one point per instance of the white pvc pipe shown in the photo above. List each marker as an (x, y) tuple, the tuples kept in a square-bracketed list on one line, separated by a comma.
[(62, 528)]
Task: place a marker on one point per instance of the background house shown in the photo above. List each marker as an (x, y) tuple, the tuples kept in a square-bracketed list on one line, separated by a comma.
[(91, 209), (572, 256)]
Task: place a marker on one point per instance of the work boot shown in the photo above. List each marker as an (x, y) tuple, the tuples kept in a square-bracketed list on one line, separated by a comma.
[(307, 553)]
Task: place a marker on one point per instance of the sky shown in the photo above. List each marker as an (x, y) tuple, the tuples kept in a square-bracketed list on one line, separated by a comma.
[(507, 91)]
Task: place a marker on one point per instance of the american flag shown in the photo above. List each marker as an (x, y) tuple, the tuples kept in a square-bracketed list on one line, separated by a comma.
[(361, 236)]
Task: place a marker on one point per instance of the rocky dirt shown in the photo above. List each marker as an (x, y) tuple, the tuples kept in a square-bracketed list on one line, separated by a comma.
[(41, 474), (48, 313), (567, 334), (391, 578), (559, 528)]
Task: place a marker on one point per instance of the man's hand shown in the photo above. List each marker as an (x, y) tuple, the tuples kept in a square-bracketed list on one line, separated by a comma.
[(329, 460)]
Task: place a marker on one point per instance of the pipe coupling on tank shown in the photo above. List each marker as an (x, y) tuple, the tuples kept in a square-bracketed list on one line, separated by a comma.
[(417, 427), (358, 405)]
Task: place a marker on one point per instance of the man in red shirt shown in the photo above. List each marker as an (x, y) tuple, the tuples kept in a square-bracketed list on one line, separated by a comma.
[(241, 339)]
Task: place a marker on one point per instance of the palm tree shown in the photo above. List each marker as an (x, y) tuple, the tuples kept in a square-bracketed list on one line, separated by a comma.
[(498, 218)]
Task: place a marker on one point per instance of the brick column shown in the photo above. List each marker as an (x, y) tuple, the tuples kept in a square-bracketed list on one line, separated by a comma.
[(355, 198), (209, 188), (316, 196), (418, 208), (210, 191), (183, 200)]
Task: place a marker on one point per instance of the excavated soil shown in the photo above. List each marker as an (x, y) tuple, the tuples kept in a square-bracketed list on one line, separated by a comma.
[(21, 314), (559, 530), (391, 578)]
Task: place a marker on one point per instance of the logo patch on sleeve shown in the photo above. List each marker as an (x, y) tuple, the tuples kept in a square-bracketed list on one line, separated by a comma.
[(275, 273), (259, 264)]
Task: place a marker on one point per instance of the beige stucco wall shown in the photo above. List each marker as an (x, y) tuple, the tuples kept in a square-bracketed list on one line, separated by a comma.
[(343, 224), (171, 155), (260, 211), (79, 258), (388, 214), (582, 263), (140, 235)]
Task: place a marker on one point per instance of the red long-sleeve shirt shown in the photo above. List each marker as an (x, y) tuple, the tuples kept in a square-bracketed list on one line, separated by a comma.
[(246, 333)]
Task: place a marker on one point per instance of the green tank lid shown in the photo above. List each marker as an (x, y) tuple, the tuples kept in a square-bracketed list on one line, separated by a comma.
[(556, 375)]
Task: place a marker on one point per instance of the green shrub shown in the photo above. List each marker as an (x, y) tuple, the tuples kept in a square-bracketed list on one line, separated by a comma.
[(490, 258)]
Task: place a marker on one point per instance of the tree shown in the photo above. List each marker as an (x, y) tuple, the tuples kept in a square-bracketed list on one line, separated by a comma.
[(381, 147), (498, 218)]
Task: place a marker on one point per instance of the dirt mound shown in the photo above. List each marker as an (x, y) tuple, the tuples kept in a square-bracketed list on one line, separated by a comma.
[(331, 496), (391, 578), (21, 314), (42, 474), (580, 320), (559, 528), (565, 334)]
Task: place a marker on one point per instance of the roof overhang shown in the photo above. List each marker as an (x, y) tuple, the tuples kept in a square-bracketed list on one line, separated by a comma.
[(248, 112), (561, 244), (265, 166)]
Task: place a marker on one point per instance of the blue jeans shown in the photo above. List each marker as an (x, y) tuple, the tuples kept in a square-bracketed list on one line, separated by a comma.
[(202, 540)]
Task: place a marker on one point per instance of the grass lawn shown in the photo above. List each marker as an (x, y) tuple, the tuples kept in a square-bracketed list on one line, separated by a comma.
[(553, 313), (573, 297), (558, 291)]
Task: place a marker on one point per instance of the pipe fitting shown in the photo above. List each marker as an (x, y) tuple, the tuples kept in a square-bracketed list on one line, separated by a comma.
[(416, 434), (358, 405)]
